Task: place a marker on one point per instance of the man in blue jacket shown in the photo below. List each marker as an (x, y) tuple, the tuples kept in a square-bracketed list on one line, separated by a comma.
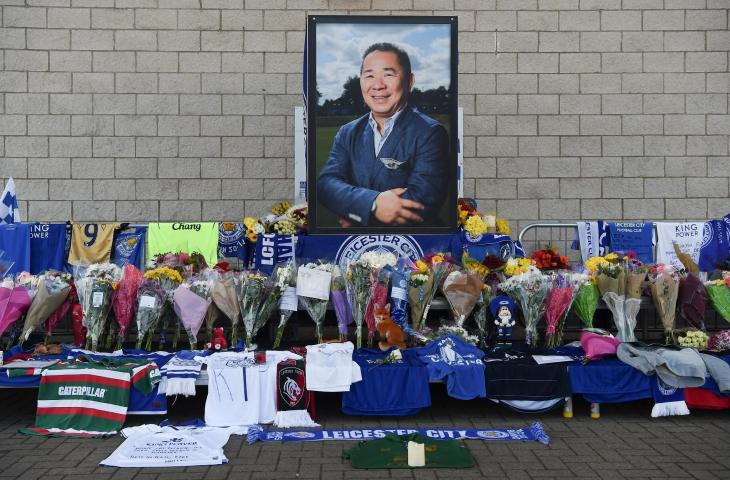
[(390, 166)]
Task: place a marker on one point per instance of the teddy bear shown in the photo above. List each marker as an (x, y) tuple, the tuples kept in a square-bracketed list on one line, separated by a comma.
[(391, 335), (218, 342)]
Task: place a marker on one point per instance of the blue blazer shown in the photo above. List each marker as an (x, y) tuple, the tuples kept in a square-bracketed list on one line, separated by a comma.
[(414, 156)]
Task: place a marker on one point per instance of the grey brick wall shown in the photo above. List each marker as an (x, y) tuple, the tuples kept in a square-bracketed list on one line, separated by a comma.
[(144, 110)]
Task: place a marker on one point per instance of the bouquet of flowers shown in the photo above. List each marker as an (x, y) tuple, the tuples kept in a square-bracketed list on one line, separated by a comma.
[(425, 279), (313, 288), (276, 286), (719, 293), (259, 296), (462, 290), (14, 302), (379, 279), (481, 312), (693, 339), (151, 297), (124, 302), (95, 285), (399, 276), (719, 341), (692, 297), (225, 297), (664, 287), (529, 289), (251, 289), (565, 286), (357, 286), (635, 275), (586, 302), (611, 281), (169, 279), (338, 297), (550, 259), (191, 301), (61, 312), (289, 303)]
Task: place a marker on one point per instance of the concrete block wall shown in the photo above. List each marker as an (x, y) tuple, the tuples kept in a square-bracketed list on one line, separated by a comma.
[(145, 110)]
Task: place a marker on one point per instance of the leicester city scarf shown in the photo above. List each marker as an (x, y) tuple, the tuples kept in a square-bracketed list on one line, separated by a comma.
[(668, 400), (533, 433)]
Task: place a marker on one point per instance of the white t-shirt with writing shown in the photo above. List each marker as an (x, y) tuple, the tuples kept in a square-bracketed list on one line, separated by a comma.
[(234, 390)]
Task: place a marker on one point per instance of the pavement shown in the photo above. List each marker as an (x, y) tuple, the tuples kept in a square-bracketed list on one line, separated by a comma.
[(624, 443)]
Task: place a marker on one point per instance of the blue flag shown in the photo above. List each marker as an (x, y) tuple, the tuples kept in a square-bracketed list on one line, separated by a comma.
[(232, 241), (633, 237), (129, 247)]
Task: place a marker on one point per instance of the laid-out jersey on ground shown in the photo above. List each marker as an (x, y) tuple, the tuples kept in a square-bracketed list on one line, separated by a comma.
[(88, 398)]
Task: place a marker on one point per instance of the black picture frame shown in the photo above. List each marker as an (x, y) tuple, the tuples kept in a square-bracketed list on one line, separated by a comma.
[(447, 218)]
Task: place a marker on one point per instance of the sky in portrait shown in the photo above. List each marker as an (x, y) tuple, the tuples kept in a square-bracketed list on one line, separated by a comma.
[(340, 48)]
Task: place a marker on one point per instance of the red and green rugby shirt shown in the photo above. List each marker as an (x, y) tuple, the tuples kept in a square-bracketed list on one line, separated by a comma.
[(87, 398)]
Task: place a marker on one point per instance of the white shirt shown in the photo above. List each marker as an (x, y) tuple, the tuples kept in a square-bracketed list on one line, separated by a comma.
[(234, 390), (267, 372), (330, 367), (378, 138)]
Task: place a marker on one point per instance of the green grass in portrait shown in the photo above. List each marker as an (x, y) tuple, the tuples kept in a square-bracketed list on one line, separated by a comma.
[(327, 127)]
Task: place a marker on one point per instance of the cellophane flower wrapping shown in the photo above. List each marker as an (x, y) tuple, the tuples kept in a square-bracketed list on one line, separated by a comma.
[(225, 297), (664, 287), (357, 286), (313, 289), (191, 301), (14, 303), (481, 313), (564, 288), (288, 303), (719, 341), (52, 290), (462, 290), (61, 312), (95, 285), (426, 278), (692, 300), (276, 286), (124, 302), (529, 289), (586, 303), (251, 291), (150, 299), (719, 294), (399, 278), (338, 297), (379, 280)]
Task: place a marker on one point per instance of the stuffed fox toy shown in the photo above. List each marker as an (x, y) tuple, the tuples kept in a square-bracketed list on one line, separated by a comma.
[(390, 333)]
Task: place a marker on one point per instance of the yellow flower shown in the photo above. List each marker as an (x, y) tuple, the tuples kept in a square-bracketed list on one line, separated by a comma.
[(463, 215), (611, 257), (281, 208), (593, 263), (503, 226), (421, 266), (475, 226), (436, 259)]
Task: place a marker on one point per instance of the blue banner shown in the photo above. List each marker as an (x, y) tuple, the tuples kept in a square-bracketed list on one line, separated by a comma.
[(633, 237), (339, 249), (129, 247), (272, 249), (715, 248), (232, 241), (534, 433)]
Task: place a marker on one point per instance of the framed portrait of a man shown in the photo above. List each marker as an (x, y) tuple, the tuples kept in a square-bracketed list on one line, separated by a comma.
[(382, 124)]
